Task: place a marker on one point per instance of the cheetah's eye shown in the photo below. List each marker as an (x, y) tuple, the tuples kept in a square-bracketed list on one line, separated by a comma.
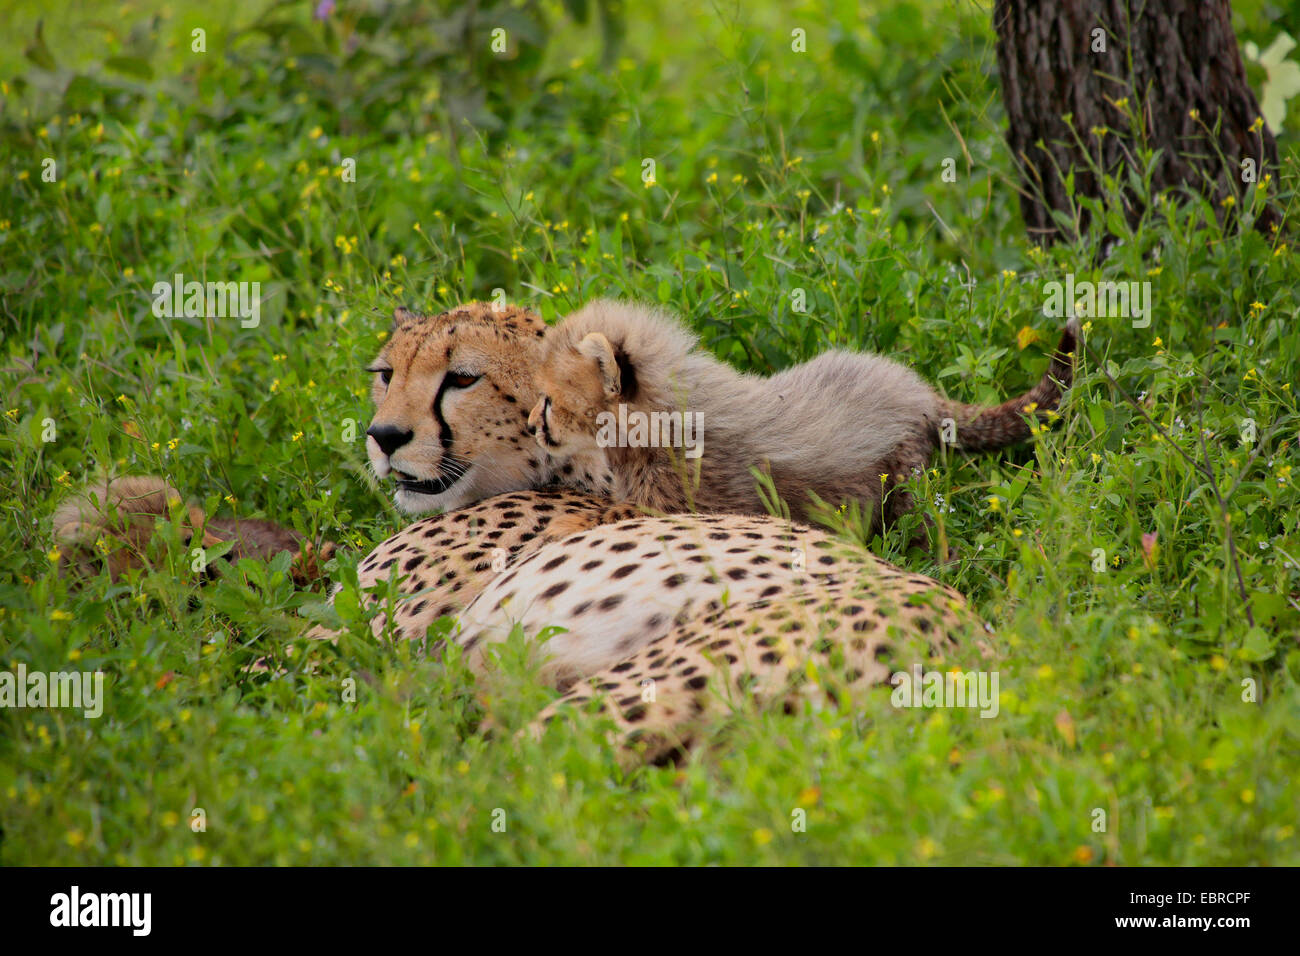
[(385, 374), (461, 379)]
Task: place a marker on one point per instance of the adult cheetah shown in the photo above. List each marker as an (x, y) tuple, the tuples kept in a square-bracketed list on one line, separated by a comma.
[(451, 395), (666, 622)]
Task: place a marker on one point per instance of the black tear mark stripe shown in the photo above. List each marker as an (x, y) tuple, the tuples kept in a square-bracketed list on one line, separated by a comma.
[(444, 430)]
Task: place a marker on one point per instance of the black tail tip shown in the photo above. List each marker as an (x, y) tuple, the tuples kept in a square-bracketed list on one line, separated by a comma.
[(1071, 341)]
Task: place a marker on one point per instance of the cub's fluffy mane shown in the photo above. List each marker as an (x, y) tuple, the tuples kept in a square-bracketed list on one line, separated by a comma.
[(662, 352)]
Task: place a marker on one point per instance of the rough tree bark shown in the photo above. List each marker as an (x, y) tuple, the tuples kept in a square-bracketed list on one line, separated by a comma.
[(1177, 64)]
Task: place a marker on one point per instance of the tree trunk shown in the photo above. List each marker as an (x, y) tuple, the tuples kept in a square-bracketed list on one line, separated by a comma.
[(1073, 74)]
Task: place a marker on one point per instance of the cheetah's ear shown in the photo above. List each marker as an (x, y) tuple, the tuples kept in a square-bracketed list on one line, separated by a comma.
[(401, 315), (596, 346)]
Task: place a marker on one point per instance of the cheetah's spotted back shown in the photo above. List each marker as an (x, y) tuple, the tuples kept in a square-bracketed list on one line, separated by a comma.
[(707, 611)]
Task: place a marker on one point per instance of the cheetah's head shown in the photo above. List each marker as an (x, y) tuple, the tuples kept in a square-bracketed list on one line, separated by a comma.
[(452, 394), (606, 355), (578, 382)]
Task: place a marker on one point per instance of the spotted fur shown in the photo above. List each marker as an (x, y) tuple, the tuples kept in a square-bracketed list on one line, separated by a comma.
[(442, 563), (648, 599), (825, 643)]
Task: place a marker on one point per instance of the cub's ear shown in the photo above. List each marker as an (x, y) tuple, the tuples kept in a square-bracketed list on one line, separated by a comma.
[(401, 315), (537, 415), (596, 346)]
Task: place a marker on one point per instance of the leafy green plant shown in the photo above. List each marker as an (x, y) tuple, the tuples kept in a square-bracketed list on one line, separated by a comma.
[(1114, 559)]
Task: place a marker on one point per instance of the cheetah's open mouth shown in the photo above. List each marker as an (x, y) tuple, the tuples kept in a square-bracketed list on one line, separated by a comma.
[(429, 486)]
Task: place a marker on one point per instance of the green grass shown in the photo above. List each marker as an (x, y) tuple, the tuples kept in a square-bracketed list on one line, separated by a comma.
[(1122, 690)]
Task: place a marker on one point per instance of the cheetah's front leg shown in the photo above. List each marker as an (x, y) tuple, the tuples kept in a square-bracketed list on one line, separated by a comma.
[(569, 524)]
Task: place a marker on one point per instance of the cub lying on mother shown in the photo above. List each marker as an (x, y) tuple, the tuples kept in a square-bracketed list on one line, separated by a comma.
[(658, 422)]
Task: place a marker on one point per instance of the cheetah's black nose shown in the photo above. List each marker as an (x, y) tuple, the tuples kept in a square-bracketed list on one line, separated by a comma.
[(389, 438)]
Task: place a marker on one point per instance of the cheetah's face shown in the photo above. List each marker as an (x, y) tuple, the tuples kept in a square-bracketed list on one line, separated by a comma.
[(451, 395), (575, 391)]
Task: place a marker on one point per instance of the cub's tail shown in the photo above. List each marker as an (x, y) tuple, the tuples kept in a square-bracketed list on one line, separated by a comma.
[(983, 429), (109, 523)]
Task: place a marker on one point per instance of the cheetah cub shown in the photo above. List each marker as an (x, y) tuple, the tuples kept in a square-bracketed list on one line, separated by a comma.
[(634, 408)]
